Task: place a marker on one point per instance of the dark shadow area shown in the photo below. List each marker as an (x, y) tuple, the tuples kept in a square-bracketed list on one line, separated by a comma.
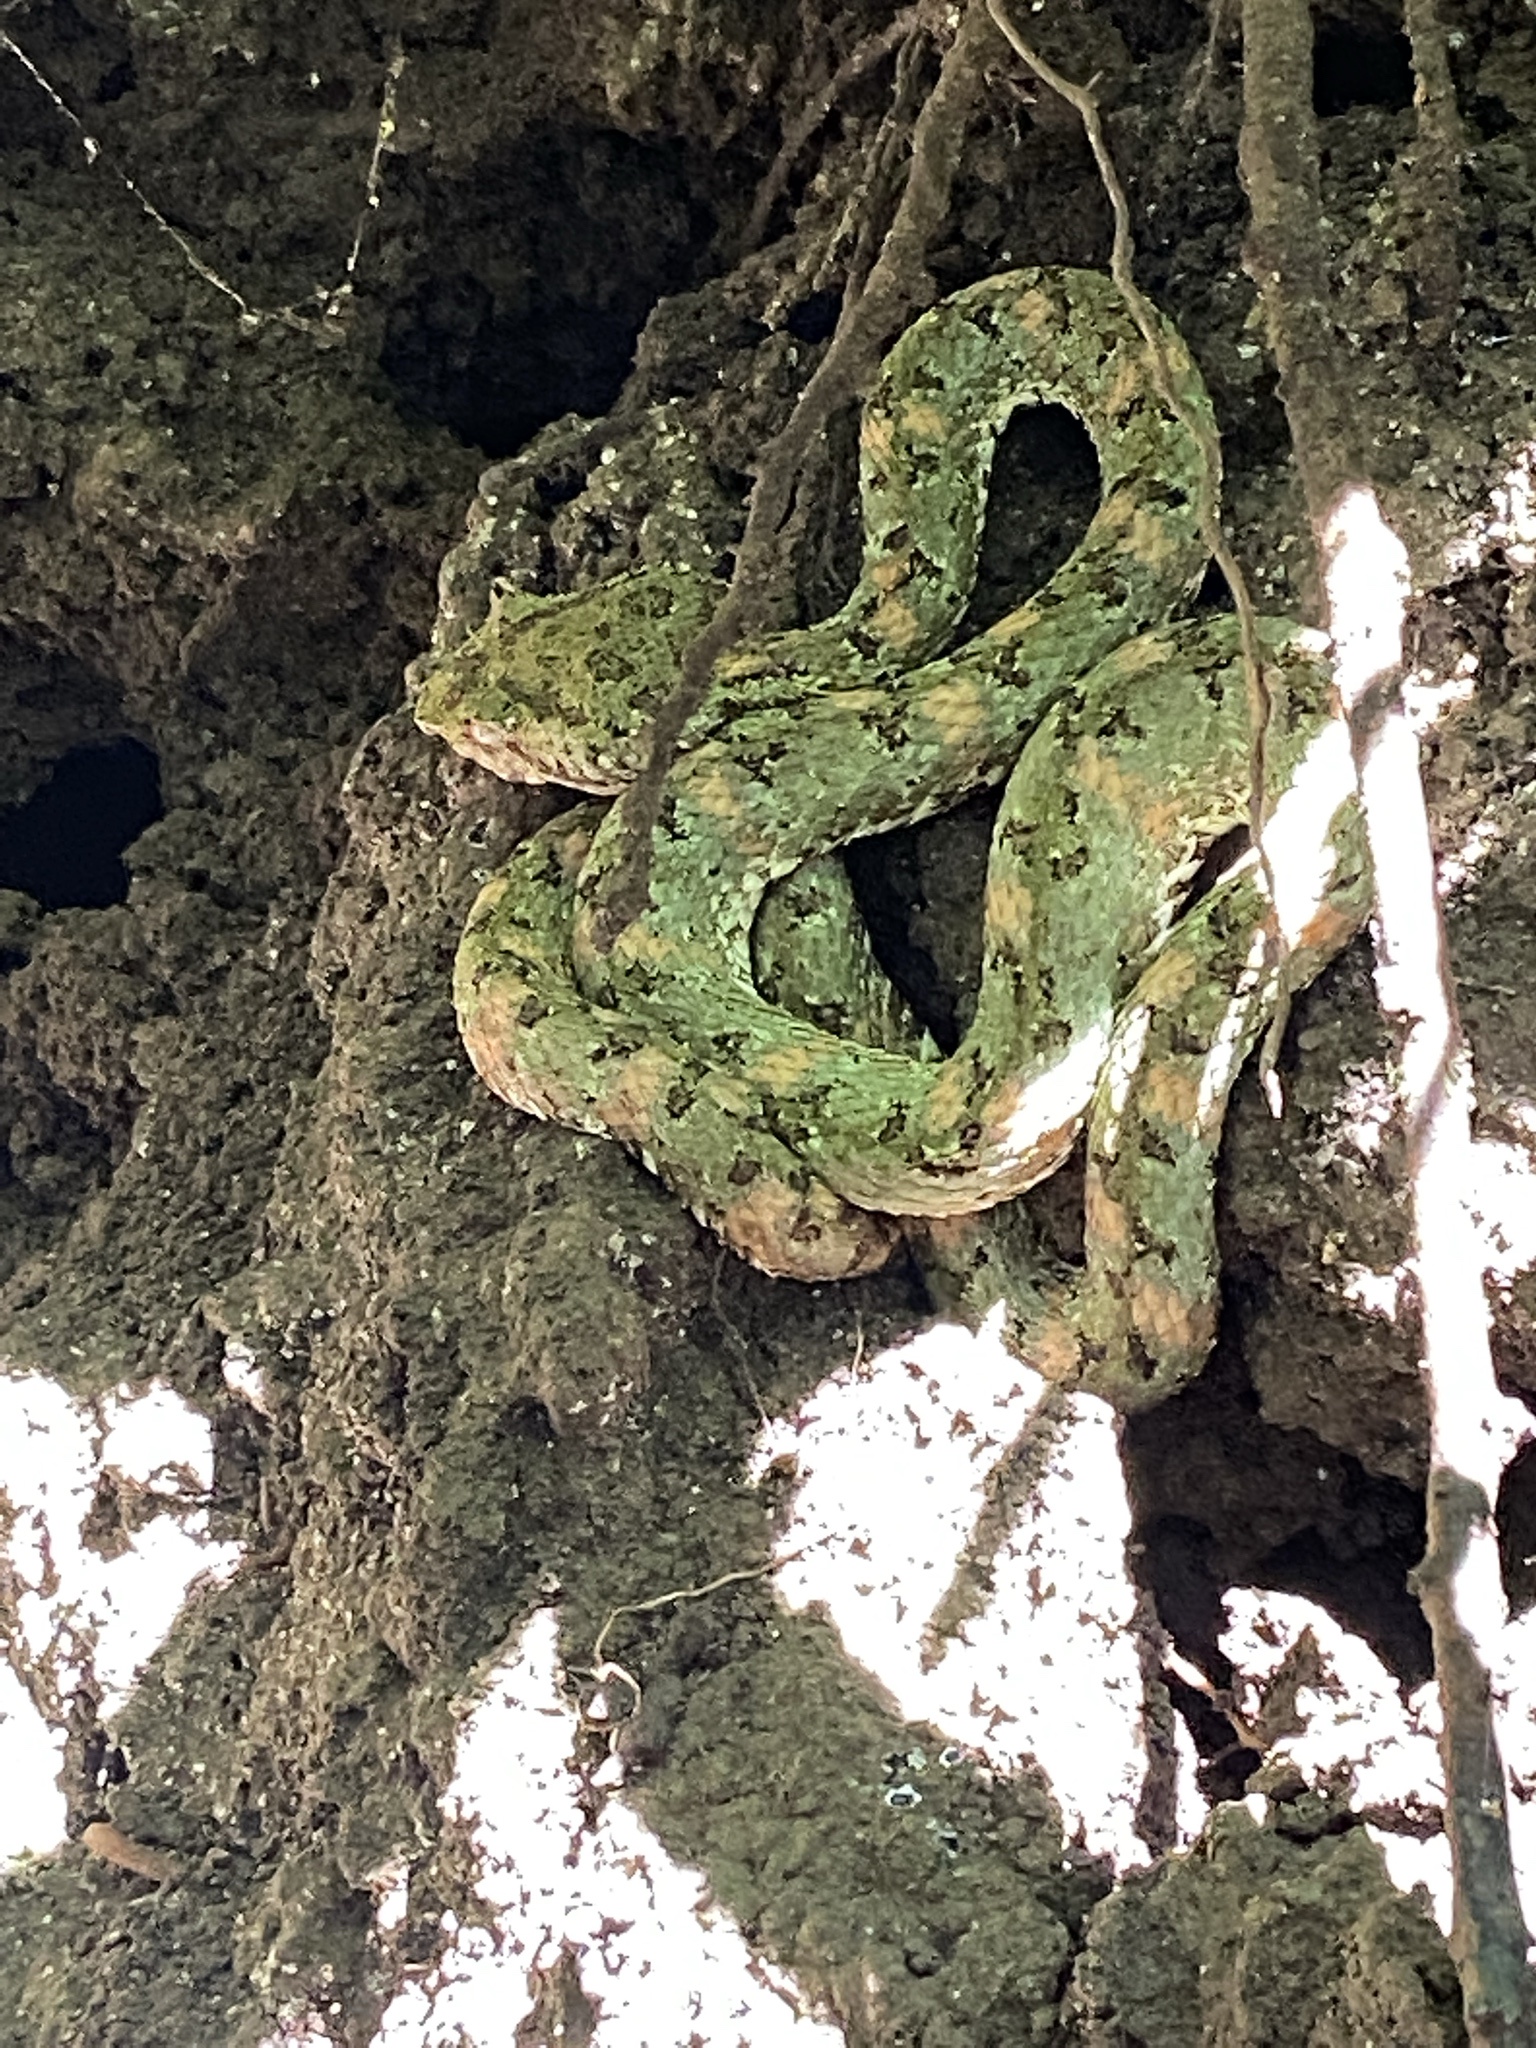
[(53, 1159), (64, 845), (1366, 62), (88, 58), (1516, 1520), (920, 888), (1222, 1498), (815, 318), (1152, 28), (544, 271), (1043, 492), (1190, 1568), (1365, 1590)]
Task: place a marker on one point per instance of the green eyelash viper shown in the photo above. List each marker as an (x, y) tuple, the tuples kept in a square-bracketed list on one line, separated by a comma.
[(737, 1035)]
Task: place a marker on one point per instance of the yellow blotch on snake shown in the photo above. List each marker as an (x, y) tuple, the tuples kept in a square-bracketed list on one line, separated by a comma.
[(925, 418), (1169, 1320), (1172, 1093), (784, 1065), (1010, 907), (956, 708), (627, 1104)]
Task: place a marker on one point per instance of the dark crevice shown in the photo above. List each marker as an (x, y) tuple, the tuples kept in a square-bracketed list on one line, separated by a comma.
[(1517, 1531), (815, 318), (920, 888), (1043, 492), (64, 846), (549, 269), (1257, 1505), (1364, 62), (1153, 28)]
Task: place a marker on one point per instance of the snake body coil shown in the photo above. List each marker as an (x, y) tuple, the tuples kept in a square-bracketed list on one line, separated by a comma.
[(1124, 746)]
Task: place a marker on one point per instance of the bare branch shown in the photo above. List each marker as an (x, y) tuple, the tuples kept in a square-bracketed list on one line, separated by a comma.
[(299, 315), (1472, 1428), (859, 61), (898, 286), (1432, 175)]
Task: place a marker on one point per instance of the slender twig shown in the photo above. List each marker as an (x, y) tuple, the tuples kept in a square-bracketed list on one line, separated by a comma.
[(733, 1336), (604, 1670), (1432, 174), (1157, 1808), (679, 1594), (898, 285), (1012, 1482), (859, 61), (1472, 1428), (859, 224), (383, 135), (1204, 69)]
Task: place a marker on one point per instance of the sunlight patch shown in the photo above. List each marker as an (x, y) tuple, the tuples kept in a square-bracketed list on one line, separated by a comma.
[(893, 1457), (1298, 831), (107, 1530), (1356, 1715), (1508, 523), (630, 1928)]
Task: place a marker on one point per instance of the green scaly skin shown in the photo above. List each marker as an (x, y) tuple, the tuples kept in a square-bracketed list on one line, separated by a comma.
[(1124, 743)]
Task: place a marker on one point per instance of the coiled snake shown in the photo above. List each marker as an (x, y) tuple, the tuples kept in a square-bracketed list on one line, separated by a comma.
[(1124, 743)]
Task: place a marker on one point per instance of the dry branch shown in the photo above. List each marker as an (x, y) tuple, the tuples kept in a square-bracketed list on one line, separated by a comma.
[(861, 60), (898, 286), (1366, 580), (328, 301), (1432, 176)]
